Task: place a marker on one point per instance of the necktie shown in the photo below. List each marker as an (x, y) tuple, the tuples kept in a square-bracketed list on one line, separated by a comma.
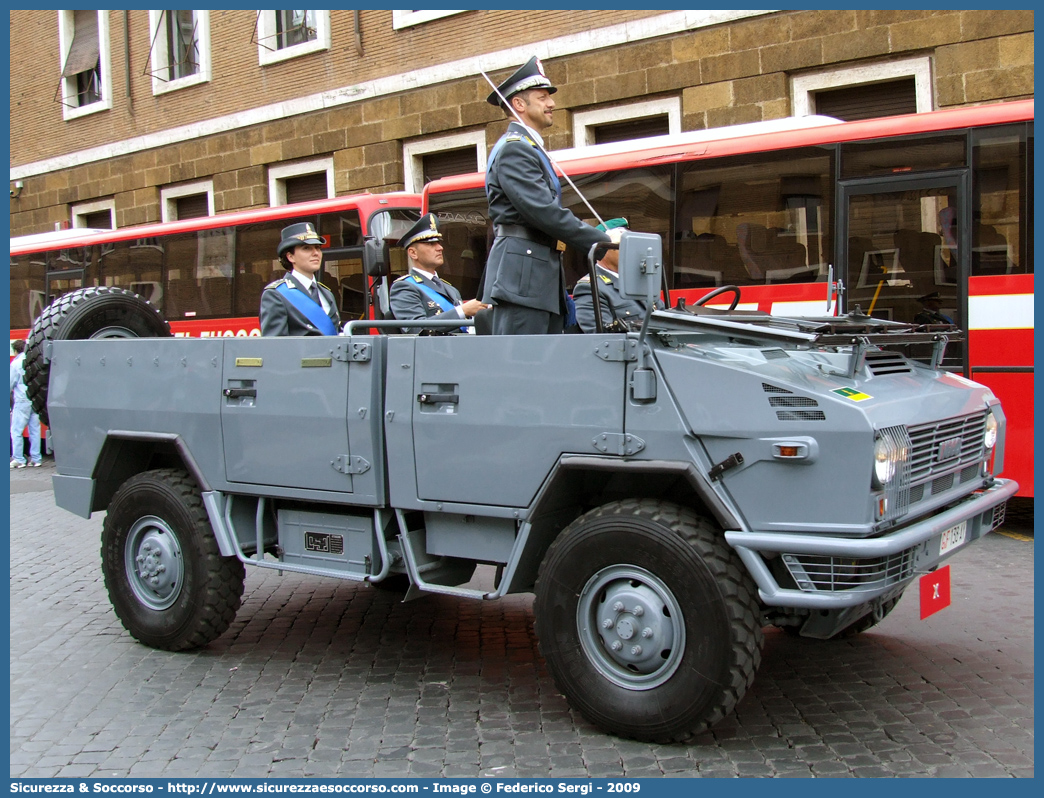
[(313, 291), (438, 284)]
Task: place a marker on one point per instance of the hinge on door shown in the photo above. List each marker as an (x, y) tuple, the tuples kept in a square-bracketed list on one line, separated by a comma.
[(356, 352), (618, 350), (618, 443), (350, 464)]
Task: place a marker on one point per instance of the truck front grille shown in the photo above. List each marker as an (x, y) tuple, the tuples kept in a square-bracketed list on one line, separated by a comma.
[(816, 573), (941, 456), (944, 447)]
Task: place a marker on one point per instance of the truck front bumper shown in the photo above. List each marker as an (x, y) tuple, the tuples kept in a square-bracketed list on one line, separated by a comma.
[(835, 572)]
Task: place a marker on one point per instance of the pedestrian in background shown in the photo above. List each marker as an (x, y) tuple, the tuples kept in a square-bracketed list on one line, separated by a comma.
[(22, 414)]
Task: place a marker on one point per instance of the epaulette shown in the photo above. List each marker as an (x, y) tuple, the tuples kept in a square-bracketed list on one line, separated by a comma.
[(515, 137), (585, 279), (606, 279), (277, 283)]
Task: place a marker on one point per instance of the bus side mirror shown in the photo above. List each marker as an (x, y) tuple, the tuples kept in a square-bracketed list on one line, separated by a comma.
[(374, 257), (641, 263)]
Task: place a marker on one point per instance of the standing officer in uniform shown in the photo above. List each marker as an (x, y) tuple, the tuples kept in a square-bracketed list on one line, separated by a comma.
[(422, 293), (524, 277), (617, 309), (299, 304)]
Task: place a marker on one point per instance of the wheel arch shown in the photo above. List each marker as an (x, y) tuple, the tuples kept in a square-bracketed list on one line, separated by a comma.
[(126, 454), (581, 483)]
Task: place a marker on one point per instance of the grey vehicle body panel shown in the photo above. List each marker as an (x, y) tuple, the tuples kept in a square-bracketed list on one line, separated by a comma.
[(436, 451)]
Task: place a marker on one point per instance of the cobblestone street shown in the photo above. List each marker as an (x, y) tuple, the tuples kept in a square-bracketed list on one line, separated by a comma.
[(321, 678)]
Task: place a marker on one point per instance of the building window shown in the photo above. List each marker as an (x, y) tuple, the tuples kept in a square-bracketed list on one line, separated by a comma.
[(100, 214), (300, 182), (187, 201), (424, 161), (86, 82), (404, 19), (625, 122), (288, 34), (882, 89), (180, 49)]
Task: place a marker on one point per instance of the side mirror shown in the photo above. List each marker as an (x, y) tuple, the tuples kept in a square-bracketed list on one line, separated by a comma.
[(641, 265), (375, 262)]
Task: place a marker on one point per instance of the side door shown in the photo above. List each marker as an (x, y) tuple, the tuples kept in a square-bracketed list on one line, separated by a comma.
[(284, 410), (492, 414), (903, 238)]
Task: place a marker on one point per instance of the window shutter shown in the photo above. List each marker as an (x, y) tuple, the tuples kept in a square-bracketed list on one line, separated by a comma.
[(83, 52), (629, 129), (100, 220), (850, 103), (305, 187), (449, 162), (192, 206)]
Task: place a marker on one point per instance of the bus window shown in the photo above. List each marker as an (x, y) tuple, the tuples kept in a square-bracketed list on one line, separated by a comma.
[(999, 201), (467, 237), (27, 289), (136, 266), (256, 263), (642, 196), (755, 220), (899, 156), (898, 252), (342, 272)]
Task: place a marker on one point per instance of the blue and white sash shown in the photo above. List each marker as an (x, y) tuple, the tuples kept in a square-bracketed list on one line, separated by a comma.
[(440, 300), (312, 310)]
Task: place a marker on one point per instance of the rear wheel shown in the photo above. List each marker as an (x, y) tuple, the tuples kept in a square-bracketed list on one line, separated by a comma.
[(647, 620), (98, 312), (167, 581)]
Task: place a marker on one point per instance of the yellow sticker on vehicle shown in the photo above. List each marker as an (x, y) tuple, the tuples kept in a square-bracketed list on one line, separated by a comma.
[(853, 394)]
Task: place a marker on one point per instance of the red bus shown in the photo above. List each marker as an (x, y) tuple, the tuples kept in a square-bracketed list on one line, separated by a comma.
[(811, 216), (206, 274)]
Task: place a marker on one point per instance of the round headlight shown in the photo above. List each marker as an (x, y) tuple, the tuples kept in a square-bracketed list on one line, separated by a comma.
[(888, 455), (884, 461), (990, 438)]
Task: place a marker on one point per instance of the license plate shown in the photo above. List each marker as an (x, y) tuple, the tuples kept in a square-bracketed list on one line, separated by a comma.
[(953, 537)]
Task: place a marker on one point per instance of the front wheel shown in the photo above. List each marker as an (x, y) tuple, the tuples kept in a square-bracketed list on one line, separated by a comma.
[(166, 578), (647, 620)]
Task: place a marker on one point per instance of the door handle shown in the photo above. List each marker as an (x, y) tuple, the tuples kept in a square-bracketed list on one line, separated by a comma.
[(438, 398), (235, 393)]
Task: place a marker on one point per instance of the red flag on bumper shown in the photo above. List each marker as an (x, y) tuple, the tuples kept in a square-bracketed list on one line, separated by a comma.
[(935, 591)]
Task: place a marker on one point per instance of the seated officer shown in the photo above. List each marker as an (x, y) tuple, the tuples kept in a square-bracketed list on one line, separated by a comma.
[(617, 310), (422, 294), (299, 304)]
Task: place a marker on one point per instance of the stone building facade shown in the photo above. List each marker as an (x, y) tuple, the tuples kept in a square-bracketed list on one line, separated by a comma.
[(361, 99)]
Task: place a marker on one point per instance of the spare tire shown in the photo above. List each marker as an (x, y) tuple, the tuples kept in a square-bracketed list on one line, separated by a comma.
[(98, 312)]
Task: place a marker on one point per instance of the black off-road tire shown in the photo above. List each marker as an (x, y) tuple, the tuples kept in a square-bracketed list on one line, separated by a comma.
[(167, 580), (659, 580), (98, 312)]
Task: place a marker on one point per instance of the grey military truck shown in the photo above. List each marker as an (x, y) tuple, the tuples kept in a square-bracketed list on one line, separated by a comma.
[(664, 492)]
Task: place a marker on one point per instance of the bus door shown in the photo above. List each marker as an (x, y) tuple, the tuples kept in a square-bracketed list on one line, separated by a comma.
[(56, 284), (903, 247)]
